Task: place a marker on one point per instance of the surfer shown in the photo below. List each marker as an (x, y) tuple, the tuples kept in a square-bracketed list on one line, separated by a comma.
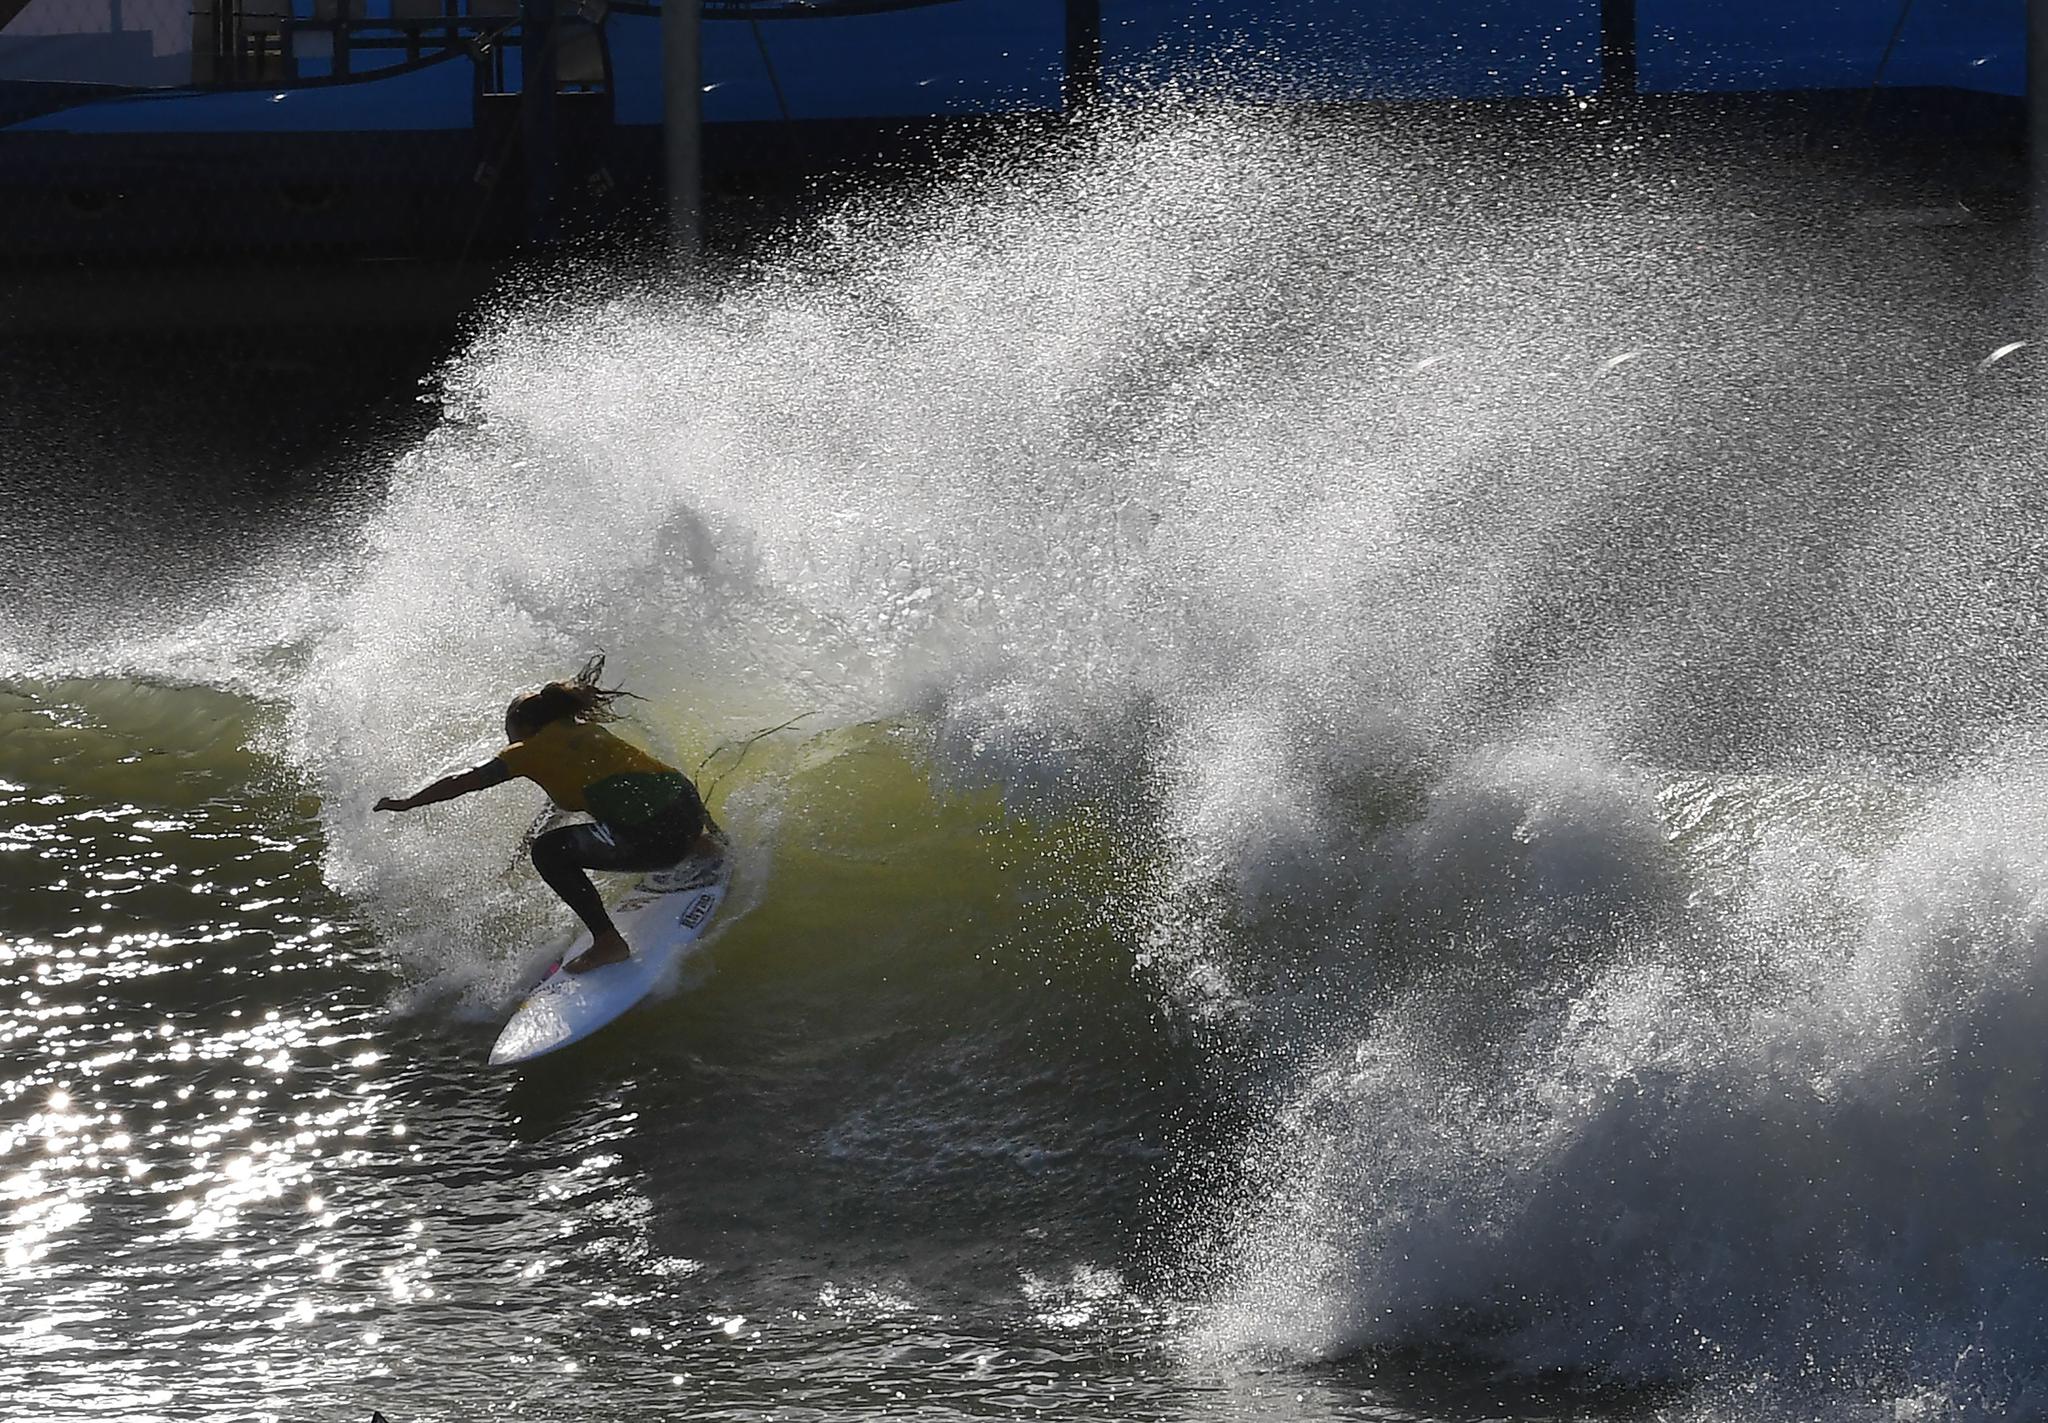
[(648, 814)]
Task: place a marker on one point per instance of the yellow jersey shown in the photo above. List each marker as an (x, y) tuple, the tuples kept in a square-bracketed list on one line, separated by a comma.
[(584, 767)]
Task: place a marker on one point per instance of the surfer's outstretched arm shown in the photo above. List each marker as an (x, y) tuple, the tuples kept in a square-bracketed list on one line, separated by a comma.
[(477, 778)]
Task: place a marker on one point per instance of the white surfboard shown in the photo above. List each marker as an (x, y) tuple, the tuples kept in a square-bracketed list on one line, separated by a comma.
[(663, 917)]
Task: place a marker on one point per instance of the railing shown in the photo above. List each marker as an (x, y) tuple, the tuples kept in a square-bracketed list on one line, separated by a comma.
[(413, 29), (263, 45), (256, 42)]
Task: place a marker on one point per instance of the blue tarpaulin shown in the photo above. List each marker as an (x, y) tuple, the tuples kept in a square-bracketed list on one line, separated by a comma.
[(992, 56)]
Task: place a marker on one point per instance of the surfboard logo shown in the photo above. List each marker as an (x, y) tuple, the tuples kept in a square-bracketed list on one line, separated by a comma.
[(699, 911)]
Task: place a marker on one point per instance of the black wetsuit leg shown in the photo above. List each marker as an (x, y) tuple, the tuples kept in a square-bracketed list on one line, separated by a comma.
[(562, 855)]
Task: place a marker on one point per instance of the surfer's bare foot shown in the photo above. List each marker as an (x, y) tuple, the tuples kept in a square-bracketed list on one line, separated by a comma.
[(609, 948)]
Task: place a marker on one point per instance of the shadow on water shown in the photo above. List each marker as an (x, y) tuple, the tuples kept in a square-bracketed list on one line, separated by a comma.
[(1459, 1388)]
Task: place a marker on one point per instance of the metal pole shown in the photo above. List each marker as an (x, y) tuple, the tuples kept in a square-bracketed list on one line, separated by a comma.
[(1617, 49), (1082, 82), (2037, 149), (537, 88), (344, 60), (682, 129)]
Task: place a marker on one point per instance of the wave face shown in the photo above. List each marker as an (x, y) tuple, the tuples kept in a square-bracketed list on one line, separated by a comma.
[(1531, 660)]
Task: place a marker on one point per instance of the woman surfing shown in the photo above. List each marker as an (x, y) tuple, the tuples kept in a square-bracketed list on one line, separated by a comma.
[(648, 815)]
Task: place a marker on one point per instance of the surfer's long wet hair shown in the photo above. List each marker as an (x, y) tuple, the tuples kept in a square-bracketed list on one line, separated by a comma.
[(582, 697)]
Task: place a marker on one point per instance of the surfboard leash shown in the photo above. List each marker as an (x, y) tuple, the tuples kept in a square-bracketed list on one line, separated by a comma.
[(744, 747)]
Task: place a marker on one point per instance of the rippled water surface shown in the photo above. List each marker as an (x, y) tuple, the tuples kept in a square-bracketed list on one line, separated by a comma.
[(245, 1174)]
